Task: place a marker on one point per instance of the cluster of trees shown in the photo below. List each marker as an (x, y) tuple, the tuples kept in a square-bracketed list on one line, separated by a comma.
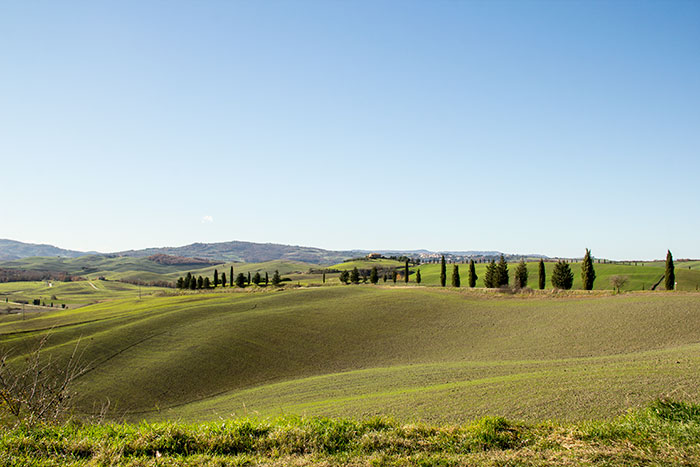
[(190, 282), (30, 275)]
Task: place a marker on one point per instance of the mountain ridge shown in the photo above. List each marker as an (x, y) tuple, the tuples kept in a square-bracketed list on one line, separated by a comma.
[(235, 250)]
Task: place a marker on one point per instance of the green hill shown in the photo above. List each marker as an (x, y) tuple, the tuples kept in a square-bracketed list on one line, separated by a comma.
[(409, 352)]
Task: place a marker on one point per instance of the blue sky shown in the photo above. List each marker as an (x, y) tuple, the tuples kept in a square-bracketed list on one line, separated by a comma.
[(525, 127)]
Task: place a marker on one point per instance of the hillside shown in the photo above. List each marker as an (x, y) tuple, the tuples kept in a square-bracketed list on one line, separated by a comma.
[(408, 352), (248, 252), (11, 249)]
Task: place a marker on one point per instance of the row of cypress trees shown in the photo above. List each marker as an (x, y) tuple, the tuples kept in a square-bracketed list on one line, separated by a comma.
[(190, 282)]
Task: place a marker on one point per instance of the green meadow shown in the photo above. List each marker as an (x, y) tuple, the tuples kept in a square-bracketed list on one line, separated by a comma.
[(70, 293), (411, 353)]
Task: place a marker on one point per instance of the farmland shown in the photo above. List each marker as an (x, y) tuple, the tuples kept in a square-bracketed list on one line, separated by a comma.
[(412, 353)]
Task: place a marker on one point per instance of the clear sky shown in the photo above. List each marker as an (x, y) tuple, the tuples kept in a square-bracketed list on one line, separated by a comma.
[(524, 127)]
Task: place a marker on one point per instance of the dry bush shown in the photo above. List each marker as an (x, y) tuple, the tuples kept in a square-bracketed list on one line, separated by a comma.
[(38, 388)]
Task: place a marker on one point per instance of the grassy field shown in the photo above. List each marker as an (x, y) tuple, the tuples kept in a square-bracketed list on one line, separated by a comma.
[(663, 433), (413, 353), (71, 293)]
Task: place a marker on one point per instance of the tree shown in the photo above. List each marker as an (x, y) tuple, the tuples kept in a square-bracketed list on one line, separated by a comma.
[(180, 283), (393, 276), (248, 277), (562, 277), (240, 280), (406, 272), (587, 271), (355, 276), (489, 276), (230, 276), (276, 279), (385, 277), (188, 280), (193, 283), (207, 283), (223, 279), (472, 274), (521, 274), (443, 272), (324, 277), (374, 275), (456, 282), (501, 276), (541, 274), (216, 278), (200, 282), (618, 282), (670, 276), (344, 277), (418, 278), (257, 278), (267, 278)]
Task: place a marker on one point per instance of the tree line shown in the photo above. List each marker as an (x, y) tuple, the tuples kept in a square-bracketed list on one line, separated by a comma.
[(191, 282), (497, 274)]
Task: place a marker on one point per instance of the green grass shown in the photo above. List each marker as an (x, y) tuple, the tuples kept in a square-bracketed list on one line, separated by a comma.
[(71, 293), (662, 433), (414, 353), (367, 264)]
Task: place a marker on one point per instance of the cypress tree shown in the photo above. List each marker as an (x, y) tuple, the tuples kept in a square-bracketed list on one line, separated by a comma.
[(248, 277), (230, 277), (501, 273), (207, 283), (542, 274), (267, 278), (385, 277), (562, 277), (344, 277), (393, 276), (489, 276), (355, 276), (276, 279), (670, 276), (374, 275), (521, 274), (216, 278), (223, 279), (240, 280), (257, 278), (406, 272), (180, 283), (188, 279), (443, 272), (193, 283), (418, 278), (587, 271), (472, 274), (456, 282), (200, 282), (324, 277)]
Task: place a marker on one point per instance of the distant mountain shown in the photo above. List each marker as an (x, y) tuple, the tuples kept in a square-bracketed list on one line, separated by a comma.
[(249, 252), (11, 249)]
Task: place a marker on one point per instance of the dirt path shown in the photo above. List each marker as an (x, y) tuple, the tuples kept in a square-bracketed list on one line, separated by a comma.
[(93, 285)]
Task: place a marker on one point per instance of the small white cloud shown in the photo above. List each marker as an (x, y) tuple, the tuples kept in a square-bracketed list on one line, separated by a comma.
[(207, 219)]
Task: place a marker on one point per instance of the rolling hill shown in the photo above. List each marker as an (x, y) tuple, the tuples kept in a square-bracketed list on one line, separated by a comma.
[(408, 352)]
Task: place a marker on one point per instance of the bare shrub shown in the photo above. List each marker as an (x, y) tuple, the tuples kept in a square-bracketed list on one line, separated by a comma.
[(38, 389), (618, 282)]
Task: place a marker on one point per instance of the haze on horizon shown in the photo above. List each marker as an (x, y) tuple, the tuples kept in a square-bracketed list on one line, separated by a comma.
[(523, 127)]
